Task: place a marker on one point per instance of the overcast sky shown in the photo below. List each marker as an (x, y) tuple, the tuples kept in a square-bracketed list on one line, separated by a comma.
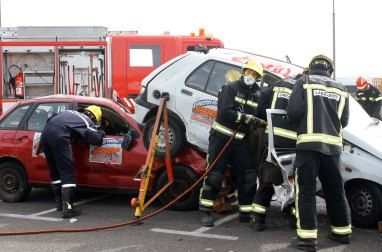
[(297, 28)]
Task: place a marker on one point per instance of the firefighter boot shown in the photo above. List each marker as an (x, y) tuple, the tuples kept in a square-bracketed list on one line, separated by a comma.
[(67, 202), (206, 219), (344, 239), (304, 244), (257, 225), (244, 216), (57, 196)]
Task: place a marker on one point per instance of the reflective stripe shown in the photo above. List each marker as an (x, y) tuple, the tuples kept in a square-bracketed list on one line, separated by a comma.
[(247, 118), (285, 133), (245, 208), (238, 118), (83, 118), (247, 102), (297, 211), (327, 89), (309, 117), (293, 211), (259, 209), (69, 185), (378, 99), (56, 182), (226, 131), (341, 106), (207, 203), (307, 234), (239, 100), (361, 98), (342, 230), (274, 99), (283, 89), (316, 137), (252, 103)]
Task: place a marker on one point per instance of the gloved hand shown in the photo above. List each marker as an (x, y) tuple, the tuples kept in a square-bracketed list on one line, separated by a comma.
[(250, 119)]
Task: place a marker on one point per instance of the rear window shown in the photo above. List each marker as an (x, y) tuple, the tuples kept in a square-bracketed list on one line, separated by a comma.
[(212, 75), (14, 118), (42, 113)]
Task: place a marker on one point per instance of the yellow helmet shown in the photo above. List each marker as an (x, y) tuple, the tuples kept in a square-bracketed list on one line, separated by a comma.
[(96, 111), (232, 75), (253, 65)]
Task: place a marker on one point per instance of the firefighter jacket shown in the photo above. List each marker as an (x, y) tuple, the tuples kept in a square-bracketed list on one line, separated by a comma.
[(277, 97), (319, 106), (70, 124), (370, 100), (236, 103)]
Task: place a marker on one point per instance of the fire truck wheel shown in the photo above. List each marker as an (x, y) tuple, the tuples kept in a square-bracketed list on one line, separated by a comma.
[(14, 185), (177, 137), (365, 201), (184, 178)]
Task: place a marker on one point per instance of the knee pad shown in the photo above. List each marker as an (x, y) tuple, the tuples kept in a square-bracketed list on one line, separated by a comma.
[(215, 179)]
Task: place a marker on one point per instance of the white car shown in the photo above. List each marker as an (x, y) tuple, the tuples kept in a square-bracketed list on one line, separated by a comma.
[(193, 81)]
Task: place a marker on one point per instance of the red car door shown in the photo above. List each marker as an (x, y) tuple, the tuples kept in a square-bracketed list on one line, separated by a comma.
[(28, 136), (8, 129), (110, 165)]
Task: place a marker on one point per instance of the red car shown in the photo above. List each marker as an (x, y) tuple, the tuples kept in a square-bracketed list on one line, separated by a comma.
[(108, 167)]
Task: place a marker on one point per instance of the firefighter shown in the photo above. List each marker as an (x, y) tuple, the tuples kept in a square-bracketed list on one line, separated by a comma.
[(237, 105), (56, 137), (274, 97), (369, 97), (319, 106)]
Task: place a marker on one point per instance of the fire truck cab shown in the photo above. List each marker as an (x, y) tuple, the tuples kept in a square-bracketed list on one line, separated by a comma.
[(86, 61)]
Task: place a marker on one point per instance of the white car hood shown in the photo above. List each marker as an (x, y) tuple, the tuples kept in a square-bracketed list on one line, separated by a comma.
[(362, 132), (368, 139)]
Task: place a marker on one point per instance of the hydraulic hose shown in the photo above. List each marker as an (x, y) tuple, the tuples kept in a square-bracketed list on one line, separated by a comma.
[(129, 222)]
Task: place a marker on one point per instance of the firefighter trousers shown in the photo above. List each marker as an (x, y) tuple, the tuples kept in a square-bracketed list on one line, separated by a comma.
[(262, 202), (238, 156), (58, 153), (309, 165)]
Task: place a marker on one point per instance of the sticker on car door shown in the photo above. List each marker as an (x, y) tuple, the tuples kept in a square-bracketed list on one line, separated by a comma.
[(110, 152), (204, 111)]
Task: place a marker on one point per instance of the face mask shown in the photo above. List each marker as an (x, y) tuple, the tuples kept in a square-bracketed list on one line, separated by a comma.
[(249, 80)]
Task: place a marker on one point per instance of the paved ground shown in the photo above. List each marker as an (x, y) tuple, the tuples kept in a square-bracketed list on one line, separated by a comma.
[(168, 231)]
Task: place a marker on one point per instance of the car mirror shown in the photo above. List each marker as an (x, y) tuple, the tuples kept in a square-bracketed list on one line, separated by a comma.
[(127, 141)]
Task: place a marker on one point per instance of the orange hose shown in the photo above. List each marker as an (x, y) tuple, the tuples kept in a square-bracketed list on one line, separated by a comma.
[(129, 222)]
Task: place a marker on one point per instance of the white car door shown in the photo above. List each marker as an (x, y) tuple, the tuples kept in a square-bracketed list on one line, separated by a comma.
[(198, 97)]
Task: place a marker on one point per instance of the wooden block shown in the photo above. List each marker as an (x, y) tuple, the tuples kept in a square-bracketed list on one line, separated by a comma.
[(380, 226)]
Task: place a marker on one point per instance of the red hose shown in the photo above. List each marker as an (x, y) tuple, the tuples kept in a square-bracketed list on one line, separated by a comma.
[(129, 222)]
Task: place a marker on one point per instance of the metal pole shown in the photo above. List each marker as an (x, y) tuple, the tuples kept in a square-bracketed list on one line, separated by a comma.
[(334, 43)]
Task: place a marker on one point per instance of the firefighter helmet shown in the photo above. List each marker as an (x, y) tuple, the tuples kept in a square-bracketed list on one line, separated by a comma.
[(253, 65), (361, 82), (96, 113), (232, 75), (306, 70), (324, 61)]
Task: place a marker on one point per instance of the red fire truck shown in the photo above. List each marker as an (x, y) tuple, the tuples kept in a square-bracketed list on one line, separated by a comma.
[(87, 61)]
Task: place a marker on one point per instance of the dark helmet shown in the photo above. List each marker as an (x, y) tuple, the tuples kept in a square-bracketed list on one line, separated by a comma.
[(322, 62)]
